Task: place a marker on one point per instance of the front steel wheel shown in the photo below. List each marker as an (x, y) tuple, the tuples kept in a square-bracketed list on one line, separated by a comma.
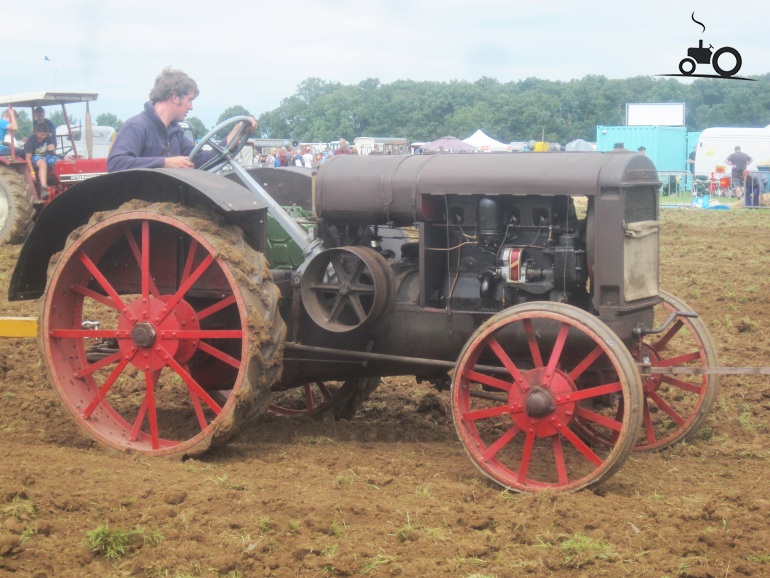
[(521, 383), (193, 320)]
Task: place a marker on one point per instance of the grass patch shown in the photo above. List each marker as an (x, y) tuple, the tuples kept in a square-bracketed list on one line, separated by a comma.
[(337, 528), (341, 480), (579, 550), (406, 533), (705, 433), (747, 421), (265, 524), (20, 508), (113, 544), (379, 560)]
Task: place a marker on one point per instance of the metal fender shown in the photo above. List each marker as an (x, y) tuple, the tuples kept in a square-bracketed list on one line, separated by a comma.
[(74, 207)]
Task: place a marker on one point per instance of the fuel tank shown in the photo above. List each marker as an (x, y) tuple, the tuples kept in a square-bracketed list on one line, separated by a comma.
[(403, 190)]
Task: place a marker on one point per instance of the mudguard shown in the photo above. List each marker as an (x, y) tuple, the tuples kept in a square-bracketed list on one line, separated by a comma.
[(74, 207)]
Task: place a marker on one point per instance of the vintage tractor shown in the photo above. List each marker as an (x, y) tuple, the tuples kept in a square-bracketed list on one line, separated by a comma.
[(20, 197), (525, 284)]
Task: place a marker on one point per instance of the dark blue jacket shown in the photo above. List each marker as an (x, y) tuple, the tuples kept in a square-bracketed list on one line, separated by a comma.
[(144, 142)]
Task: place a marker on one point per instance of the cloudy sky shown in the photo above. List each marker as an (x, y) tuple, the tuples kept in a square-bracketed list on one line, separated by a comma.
[(255, 53)]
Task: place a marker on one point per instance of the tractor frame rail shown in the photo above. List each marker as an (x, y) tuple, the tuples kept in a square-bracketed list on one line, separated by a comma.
[(26, 327)]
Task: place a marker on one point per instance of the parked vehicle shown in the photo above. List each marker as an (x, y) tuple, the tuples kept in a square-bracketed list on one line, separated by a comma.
[(534, 300), (367, 145), (20, 197), (73, 141), (716, 144)]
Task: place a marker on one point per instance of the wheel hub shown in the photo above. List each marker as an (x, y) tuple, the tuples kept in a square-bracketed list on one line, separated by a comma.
[(545, 404), (539, 403), (143, 334), (150, 326)]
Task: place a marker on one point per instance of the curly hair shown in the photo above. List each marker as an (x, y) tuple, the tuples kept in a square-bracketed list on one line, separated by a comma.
[(172, 82)]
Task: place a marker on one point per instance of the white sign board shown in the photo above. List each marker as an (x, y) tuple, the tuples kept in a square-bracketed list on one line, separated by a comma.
[(655, 114)]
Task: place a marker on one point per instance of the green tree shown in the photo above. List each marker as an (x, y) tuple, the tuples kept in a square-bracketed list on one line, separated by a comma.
[(57, 118), (513, 111), (25, 124), (230, 112), (109, 119), (197, 126)]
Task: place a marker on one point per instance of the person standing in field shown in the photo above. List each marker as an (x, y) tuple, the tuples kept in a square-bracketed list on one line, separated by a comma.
[(739, 160)]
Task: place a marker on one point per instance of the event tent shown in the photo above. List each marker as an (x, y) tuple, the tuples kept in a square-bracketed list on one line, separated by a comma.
[(450, 144), (578, 145), (485, 143)]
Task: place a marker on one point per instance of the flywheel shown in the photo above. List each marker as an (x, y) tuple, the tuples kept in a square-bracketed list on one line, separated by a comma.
[(346, 288)]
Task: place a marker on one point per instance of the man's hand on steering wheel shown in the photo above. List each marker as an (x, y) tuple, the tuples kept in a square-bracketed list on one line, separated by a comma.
[(242, 126)]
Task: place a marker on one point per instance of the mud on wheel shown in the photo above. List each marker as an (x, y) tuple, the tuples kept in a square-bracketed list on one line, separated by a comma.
[(192, 314), (522, 383), (16, 208)]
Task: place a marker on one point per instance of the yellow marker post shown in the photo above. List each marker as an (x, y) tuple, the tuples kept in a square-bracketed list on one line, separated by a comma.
[(18, 327)]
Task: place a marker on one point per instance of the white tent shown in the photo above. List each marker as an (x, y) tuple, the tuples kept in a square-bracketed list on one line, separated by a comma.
[(448, 144), (485, 143), (579, 145)]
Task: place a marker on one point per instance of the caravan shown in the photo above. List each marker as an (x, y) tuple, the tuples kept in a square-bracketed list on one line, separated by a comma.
[(716, 144), (367, 145), (75, 142)]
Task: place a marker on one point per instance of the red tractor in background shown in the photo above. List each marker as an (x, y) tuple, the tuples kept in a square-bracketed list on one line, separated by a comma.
[(20, 199)]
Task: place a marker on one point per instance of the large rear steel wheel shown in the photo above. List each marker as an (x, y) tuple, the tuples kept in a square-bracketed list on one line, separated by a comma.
[(520, 384), (194, 318)]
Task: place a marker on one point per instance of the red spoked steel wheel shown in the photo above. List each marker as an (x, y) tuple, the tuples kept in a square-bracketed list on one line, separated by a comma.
[(341, 399), (523, 379), (675, 406), (194, 319)]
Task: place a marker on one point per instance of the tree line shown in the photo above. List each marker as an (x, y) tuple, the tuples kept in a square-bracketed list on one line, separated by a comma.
[(558, 111)]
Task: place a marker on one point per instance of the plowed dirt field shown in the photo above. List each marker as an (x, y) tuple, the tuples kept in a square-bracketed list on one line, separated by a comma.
[(392, 493)]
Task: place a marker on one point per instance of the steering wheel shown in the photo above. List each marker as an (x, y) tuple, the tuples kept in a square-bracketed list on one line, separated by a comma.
[(224, 156)]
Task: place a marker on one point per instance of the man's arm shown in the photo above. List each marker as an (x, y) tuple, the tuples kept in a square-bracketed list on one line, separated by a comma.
[(13, 125), (129, 151), (29, 150)]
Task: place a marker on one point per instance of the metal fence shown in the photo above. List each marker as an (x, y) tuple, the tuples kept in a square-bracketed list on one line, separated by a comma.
[(674, 182)]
